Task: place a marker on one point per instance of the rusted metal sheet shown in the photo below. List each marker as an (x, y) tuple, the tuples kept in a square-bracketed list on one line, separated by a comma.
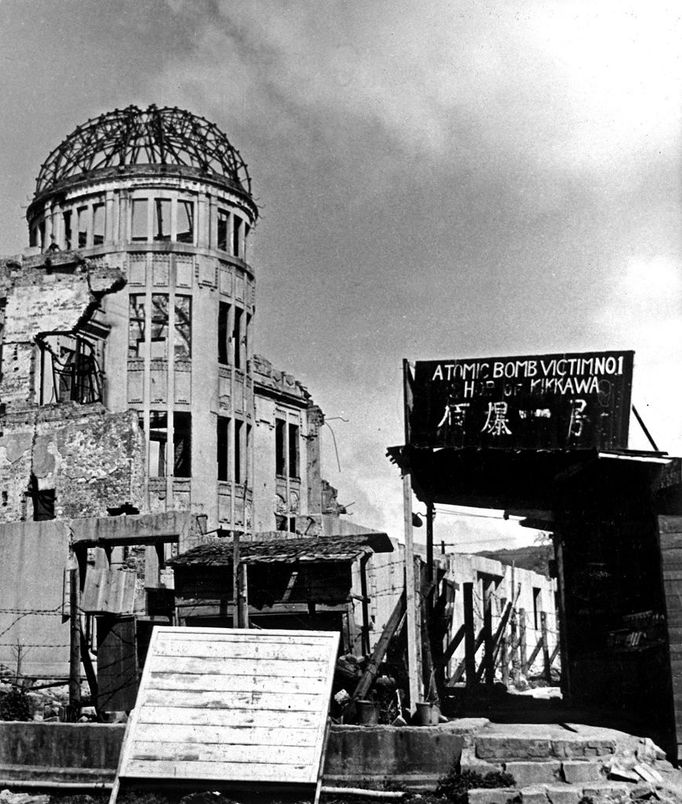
[(230, 706)]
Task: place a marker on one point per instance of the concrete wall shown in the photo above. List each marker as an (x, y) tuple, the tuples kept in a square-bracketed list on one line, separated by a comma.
[(34, 633), (413, 756)]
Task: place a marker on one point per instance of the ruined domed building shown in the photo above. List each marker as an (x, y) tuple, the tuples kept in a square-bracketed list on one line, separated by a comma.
[(163, 196), (136, 425)]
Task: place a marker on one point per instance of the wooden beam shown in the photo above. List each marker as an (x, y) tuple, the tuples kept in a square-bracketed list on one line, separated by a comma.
[(489, 655), (452, 647), (413, 632), (391, 627), (365, 604), (469, 643)]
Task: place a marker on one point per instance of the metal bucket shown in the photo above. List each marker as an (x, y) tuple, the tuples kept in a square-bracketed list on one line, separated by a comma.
[(368, 713), (427, 714)]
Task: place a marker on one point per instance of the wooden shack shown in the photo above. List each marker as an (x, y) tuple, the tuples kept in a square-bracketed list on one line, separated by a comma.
[(315, 583)]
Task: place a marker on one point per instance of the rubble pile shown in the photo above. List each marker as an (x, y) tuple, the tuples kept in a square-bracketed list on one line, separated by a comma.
[(39, 700)]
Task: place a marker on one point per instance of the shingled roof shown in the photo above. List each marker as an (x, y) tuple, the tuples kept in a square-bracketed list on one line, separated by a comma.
[(284, 551)]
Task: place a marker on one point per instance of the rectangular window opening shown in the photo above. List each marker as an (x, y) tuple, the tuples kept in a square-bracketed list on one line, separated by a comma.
[(294, 469), (223, 437), (136, 325), (183, 327), (158, 443), (68, 231), (280, 454), (238, 452), (236, 236), (185, 222), (139, 220), (223, 225), (82, 213), (223, 338), (98, 224), (162, 219), (159, 325), (182, 444), (237, 337)]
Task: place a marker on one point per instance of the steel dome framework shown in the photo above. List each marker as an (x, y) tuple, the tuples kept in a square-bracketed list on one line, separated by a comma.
[(136, 137)]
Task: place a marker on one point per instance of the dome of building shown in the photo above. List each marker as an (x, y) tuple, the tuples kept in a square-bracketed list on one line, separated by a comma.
[(134, 138)]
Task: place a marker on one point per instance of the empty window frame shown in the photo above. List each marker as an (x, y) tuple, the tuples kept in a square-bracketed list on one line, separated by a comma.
[(98, 225), (83, 217), (182, 444), (238, 452), (33, 238), (287, 449), (236, 236), (185, 222), (293, 448), (223, 333), (223, 229), (136, 325), (237, 345), (159, 325), (280, 447), (68, 228), (223, 440), (162, 219), (138, 226), (182, 344), (158, 443)]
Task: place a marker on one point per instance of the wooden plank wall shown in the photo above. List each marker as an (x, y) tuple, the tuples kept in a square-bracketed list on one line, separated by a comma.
[(670, 535), (116, 663), (232, 705)]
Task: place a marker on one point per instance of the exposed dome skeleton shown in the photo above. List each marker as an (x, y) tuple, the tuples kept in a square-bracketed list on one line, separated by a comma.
[(135, 137)]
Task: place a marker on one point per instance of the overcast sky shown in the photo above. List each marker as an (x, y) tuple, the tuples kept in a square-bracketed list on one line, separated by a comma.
[(436, 180)]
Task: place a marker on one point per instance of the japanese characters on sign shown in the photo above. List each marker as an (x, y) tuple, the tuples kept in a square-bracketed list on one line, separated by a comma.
[(540, 402)]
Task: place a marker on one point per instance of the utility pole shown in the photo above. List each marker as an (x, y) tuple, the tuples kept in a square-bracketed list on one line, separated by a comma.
[(412, 624), (75, 643)]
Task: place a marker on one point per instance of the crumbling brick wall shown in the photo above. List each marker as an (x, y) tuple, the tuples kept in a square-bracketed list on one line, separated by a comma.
[(91, 459)]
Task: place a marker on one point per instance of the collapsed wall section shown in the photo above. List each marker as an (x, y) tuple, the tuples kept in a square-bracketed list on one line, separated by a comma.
[(62, 454)]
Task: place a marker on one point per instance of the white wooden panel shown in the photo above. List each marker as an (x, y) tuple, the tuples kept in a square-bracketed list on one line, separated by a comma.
[(235, 718), (196, 681), (232, 706), (215, 771), (224, 735)]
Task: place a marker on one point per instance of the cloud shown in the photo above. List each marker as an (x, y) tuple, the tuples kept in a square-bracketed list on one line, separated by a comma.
[(563, 85)]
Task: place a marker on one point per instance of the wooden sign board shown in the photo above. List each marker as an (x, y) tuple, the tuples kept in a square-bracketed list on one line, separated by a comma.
[(229, 708)]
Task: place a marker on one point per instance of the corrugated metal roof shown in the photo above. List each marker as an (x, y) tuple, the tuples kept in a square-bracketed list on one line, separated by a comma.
[(286, 551)]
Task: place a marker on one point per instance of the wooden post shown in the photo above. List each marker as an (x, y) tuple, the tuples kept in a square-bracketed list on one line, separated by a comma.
[(391, 629), (429, 541), (235, 579), (365, 604), (469, 639), (488, 657), (413, 630), (75, 642), (504, 659), (514, 642), (242, 596), (545, 647), (522, 641)]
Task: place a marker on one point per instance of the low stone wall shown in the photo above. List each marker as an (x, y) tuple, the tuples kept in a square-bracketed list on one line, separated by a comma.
[(370, 755)]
